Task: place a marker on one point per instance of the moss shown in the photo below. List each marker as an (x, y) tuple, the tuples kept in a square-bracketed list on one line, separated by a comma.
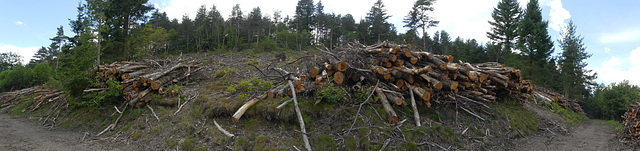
[(411, 146), (242, 144), (136, 135), (326, 142), (448, 134), (252, 124), (188, 144), (351, 144)]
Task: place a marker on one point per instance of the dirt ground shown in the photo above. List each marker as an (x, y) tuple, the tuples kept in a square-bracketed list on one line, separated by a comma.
[(17, 133), (591, 135)]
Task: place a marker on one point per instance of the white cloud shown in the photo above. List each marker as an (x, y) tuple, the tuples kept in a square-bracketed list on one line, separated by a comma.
[(19, 23), (473, 23), (607, 49), (26, 52), (557, 15), (616, 70), (629, 35)]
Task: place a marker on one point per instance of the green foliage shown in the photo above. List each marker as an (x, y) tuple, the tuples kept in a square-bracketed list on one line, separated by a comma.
[(615, 124), (225, 71), (611, 102), (576, 80), (330, 93), (506, 17), (362, 94), (22, 77), (111, 95), (267, 45), (570, 116), (536, 47), (9, 60)]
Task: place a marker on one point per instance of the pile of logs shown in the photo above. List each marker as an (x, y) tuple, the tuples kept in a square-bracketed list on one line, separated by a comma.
[(42, 94), (547, 95), (140, 79), (400, 72), (631, 123)]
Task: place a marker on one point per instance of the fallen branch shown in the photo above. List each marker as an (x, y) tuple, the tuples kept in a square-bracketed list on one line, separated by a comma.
[(180, 107), (472, 113), (111, 126), (300, 120), (222, 130), (414, 106), (154, 113), (279, 107)]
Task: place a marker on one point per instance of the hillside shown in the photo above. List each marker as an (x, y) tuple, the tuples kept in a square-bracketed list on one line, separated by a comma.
[(336, 115)]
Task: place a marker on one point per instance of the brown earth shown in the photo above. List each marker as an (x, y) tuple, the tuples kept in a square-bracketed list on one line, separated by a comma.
[(556, 135), (17, 133)]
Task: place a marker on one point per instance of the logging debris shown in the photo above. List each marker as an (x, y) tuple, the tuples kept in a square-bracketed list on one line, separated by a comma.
[(432, 78), (140, 79)]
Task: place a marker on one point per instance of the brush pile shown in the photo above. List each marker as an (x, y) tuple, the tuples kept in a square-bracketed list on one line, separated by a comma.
[(400, 72), (140, 79), (42, 94), (547, 95)]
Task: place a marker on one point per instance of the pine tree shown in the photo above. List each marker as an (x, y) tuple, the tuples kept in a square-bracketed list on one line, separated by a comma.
[(418, 17), (377, 19), (575, 78), (535, 44), (504, 26)]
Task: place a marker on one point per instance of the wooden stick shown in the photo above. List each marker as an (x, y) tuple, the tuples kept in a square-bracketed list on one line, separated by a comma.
[(279, 107), (414, 106), (472, 113), (300, 120), (154, 113), (225, 132)]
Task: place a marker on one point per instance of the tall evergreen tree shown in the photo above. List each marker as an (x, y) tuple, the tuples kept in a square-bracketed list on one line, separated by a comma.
[(575, 78), (377, 17), (506, 17), (535, 44), (120, 15), (304, 15), (419, 17)]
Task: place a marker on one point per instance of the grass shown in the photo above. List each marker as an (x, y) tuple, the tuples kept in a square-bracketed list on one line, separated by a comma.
[(615, 124), (519, 118), (570, 116)]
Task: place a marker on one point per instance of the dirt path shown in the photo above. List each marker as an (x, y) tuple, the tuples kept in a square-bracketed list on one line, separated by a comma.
[(591, 135), (22, 134)]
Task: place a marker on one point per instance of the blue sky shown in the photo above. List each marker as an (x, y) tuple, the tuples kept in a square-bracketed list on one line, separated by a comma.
[(611, 30)]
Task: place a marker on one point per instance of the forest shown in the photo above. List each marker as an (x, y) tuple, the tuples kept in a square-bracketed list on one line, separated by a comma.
[(106, 31)]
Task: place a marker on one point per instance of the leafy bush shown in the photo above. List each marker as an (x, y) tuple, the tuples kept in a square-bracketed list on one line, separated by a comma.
[(611, 102), (330, 93), (21, 77)]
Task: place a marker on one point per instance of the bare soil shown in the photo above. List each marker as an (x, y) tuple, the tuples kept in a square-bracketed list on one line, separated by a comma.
[(17, 133), (555, 134)]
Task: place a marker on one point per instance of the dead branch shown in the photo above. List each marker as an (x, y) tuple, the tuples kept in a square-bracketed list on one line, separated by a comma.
[(153, 112), (225, 132), (300, 120)]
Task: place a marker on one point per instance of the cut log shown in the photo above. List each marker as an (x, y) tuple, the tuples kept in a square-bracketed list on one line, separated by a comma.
[(393, 117)]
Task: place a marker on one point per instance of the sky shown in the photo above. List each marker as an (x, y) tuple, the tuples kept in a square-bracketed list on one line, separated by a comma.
[(611, 29)]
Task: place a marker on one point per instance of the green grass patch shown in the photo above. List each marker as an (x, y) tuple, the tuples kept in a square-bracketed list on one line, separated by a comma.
[(615, 124), (570, 116), (519, 118)]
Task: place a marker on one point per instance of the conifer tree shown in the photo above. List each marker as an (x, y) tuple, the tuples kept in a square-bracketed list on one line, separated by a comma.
[(506, 17)]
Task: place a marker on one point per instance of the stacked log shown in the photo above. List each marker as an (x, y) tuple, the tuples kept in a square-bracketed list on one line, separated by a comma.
[(547, 95), (397, 68), (631, 123), (141, 79)]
